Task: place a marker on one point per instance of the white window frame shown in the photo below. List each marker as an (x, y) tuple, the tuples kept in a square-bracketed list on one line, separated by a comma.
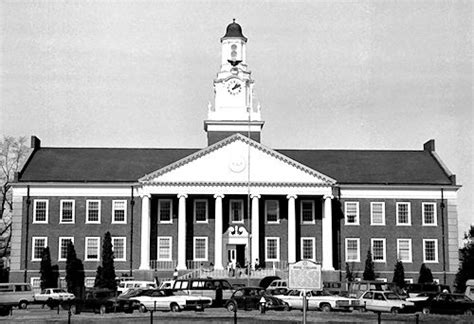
[(170, 238), (410, 259), (313, 247), (124, 239), (61, 210), (346, 248), (277, 211), (206, 248), (409, 280), (435, 214), (372, 213), (33, 241), (89, 282), (207, 211), (88, 208), (408, 223), (35, 282), (381, 279), (231, 215), (62, 238), (277, 259), (35, 221), (436, 251), (384, 249), (436, 281), (124, 202), (313, 216), (170, 221), (357, 218), (86, 252)]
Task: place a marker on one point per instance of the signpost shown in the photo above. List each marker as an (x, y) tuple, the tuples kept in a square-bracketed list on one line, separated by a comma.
[(305, 275)]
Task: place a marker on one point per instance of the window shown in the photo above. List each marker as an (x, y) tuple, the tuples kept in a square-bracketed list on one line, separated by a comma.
[(307, 212), (67, 212), (352, 212), (404, 250), (119, 211), (164, 248), (408, 280), (377, 213), (272, 211), (62, 247), (272, 249), (40, 211), (429, 214), (378, 250), (237, 211), (118, 246), (93, 212), (403, 213), (165, 210), (308, 248), (200, 249), (352, 250), (35, 282), (92, 248), (430, 250), (200, 211), (39, 243), (89, 282)]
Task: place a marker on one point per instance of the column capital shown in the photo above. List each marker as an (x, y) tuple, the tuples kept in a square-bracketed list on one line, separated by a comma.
[(145, 195), (255, 196), (328, 197), (289, 196), (219, 195), (182, 195)]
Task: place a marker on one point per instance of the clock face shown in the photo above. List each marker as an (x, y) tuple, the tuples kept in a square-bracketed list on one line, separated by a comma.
[(234, 86)]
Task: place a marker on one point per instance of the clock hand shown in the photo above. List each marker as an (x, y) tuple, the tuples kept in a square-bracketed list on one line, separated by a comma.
[(236, 86)]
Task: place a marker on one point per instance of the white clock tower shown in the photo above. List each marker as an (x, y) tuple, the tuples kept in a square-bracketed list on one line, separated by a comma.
[(234, 110)]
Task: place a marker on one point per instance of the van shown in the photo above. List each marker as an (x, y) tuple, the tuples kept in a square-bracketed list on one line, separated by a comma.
[(417, 288), (277, 284), (470, 289), (123, 286), (16, 294), (220, 290)]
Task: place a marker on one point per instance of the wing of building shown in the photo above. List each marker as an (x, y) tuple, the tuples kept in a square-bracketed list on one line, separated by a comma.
[(236, 201)]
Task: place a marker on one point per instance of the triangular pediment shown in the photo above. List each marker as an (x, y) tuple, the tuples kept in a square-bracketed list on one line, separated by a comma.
[(237, 159)]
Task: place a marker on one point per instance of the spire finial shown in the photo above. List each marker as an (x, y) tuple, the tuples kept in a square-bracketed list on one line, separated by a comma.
[(233, 20)]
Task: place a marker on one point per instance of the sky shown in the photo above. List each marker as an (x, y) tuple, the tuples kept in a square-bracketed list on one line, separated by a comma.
[(328, 74)]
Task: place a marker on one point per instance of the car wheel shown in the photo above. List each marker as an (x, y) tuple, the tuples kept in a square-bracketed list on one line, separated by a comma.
[(394, 310), (231, 307), (142, 309), (175, 308), (287, 308), (23, 304), (325, 307), (426, 310), (468, 312), (102, 309)]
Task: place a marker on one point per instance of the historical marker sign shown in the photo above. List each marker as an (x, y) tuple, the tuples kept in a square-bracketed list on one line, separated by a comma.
[(305, 275)]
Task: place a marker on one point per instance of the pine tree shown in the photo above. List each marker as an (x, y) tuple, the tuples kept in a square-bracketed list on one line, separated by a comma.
[(425, 275), (349, 274), (466, 267), (369, 273), (98, 283), (399, 274), (46, 270), (74, 272), (106, 273)]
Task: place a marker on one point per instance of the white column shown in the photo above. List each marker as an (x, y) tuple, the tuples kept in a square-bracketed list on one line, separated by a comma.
[(218, 233), (145, 234), (255, 229), (182, 232), (327, 234), (291, 228)]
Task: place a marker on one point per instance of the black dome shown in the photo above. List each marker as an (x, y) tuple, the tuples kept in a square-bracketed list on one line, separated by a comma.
[(234, 30)]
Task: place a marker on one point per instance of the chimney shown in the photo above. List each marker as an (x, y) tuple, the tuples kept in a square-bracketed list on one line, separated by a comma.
[(35, 142), (429, 146)]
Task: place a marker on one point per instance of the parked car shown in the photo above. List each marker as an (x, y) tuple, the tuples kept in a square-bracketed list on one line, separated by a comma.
[(251, 298), (318, 300), (446, 303), (50, 295), (434, 288), (96, 300), (135, 284), (16, 294), (219, 290), (420, 297), (127, 303), (385, 301), (165, 299), (470, 288), (277, 284)]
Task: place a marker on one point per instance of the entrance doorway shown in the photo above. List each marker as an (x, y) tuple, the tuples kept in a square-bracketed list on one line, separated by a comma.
[(236, 254)]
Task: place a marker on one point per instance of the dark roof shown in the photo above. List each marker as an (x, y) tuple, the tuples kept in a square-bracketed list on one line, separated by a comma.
[(129, 165), (234, 30)]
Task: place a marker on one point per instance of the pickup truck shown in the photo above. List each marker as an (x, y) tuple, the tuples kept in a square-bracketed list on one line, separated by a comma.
[(318, 300)]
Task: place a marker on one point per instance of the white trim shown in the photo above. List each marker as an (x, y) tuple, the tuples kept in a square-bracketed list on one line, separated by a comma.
[(33, 241), (436, 250), (46, 213), (86, 242), (61, 210), (170, 238), (358, 249), (231, 216), (60, 240), (357, 218), (410, 259), (74, 189), (99, 206), (277, 247), (372, 213), (397, 213), (170, 201), (206, 248), (121, 201), (313, 248), (435, 214), (397, 192), (124, 240), (207, 211), (384, 250), (277, 211), (381, 279), (313, 221)]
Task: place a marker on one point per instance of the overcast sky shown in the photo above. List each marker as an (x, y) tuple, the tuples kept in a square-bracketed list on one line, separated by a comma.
[(342, 75)]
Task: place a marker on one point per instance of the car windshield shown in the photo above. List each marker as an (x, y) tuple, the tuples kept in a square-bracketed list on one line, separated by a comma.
[(58, 291), (392, 296)]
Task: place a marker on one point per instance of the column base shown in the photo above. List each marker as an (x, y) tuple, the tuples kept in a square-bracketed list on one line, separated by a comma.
[(327, 269), (144, 267), (181, 267)]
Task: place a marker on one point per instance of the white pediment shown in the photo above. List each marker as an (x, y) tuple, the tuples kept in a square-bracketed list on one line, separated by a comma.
[(237, 159)]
